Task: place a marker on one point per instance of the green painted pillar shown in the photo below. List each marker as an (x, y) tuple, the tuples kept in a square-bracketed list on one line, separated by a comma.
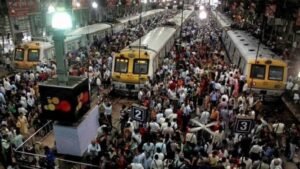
[(61, 63)]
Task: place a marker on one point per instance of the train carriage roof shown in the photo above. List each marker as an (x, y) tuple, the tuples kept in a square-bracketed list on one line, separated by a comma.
[(89, 29), (71, 38), (177, 18), (247, 45), (36, 44), (155, 39), (222, 19), (136, 17)]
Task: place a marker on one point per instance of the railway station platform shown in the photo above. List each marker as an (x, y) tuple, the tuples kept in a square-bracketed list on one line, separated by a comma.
[(292, 107)]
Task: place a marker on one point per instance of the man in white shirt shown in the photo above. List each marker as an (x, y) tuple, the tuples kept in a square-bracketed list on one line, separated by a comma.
[(295, 87), (93, 149), (30, 101), (148, 147), (157, 163), (135, 166), (101, 130), (276, 163), (23, 101), (22, 110), (205, 115), (154, 127), (168, 111), (137, 136), (255, 151), (17, 77), (159, 153), (278, 129), (247, 161), (168, 131), (108, 112), (140, 95), (6, 85)]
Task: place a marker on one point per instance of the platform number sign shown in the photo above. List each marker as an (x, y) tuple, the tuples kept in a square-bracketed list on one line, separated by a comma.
[(243, 125), (139, 113)]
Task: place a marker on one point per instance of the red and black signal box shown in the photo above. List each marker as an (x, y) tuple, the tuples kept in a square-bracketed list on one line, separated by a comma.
[(65, 103)]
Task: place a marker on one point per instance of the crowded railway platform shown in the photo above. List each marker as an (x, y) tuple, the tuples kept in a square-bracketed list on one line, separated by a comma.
[(196, 108)]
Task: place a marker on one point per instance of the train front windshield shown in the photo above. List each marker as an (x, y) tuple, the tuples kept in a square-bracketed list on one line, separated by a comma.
[(121, 65), (276, 73), (258, 71), (140, 66), (19, 54), (33, 55)]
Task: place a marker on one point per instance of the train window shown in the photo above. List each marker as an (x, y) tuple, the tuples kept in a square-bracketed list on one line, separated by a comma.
[(140, 66), (258, 71), (276, 73), (33, 55), (19, 54), (121, 65)]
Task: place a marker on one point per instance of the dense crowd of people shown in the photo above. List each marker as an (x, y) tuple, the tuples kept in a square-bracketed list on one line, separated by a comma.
[(193, 101), (19, 97)]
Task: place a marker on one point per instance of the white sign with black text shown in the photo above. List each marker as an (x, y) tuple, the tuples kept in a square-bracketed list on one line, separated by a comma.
[(139, 113), (243, 125)]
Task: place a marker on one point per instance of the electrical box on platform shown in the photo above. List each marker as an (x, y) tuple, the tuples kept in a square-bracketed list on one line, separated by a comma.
[(65, 103)]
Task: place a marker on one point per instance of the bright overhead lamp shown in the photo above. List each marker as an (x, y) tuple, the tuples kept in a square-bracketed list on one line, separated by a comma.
[(61, 20), (51, 9), (78, 4), (95, 5)]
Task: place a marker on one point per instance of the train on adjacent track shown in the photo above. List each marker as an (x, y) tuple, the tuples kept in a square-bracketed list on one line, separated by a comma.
[(134, 65), (29, 54), (265, 72)]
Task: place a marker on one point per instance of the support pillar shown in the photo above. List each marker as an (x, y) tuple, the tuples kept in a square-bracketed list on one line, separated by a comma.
[(61, 63)]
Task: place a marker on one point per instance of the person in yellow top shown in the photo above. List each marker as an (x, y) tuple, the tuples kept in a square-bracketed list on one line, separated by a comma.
[(22, 124), (213, 159)]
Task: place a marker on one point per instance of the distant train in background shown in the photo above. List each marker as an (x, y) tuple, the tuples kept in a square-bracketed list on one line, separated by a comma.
[(135, 63), (29, 54), (267, 74)]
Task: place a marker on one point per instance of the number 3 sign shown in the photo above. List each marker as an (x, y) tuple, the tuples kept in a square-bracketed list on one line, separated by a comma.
[(139, 113), (243, 125)]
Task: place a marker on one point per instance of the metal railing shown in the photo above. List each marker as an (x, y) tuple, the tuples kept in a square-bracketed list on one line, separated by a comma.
[(31, 155)]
